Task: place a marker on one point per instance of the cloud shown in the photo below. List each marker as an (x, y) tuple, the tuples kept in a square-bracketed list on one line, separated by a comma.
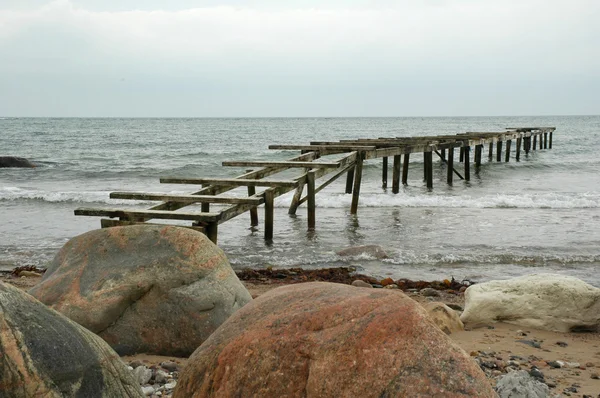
[(401, 43)]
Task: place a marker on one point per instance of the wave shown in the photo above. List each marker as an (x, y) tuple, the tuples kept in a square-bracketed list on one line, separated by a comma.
[(19, 194)]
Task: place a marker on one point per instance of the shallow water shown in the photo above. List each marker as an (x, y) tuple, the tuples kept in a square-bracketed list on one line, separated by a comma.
[(540, 214)]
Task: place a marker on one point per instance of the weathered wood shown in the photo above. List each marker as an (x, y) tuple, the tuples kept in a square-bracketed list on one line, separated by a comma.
[(550, 141), (328, 182), (324, 148), (396, 174), (534, 142), (428, 156), (357, 180), (133, 214), (541, 141), (237, 182), (445, 161), (545, 140), (467, 150), (107, 223), (499, 151), (405, 169), (285, 163), (491, 151), (443, 154), (384, 172), (518, 153), (350, 180), (527, 144), (310, 188), (211, 231), (269, 213), (450, 166), (184, 198), (254, 210), (461, 155), (507, 155)]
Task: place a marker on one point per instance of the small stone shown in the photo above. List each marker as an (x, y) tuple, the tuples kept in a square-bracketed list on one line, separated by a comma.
[(589, 364), (170, 366), (135, 364), (595, 376), (170, 386), (572, 364), (531, 343), (160, 377), (474, 353), (555, 364), (536, 374), (429, 292), (361, 283), (391, 286), (386, 281), (158, 394), (148, 390), (561, 344), (142, 374)]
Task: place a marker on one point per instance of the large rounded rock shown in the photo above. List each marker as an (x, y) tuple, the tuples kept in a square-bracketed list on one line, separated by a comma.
[(44, 354), (153, 289), (331, 340), (13, 161), (543, 301)]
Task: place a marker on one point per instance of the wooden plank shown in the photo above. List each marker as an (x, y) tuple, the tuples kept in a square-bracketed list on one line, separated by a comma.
[(396, 174), (329, 181), (107, 223), (310, 192), (322, 148), (405, 169), (184, 198), (384, 172), (357, 180), (162, 214), (269, 213), (237, 182), (467, 151), (285, 163)]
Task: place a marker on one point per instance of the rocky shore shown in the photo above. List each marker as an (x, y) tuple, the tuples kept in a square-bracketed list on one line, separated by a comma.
[(568, 363)]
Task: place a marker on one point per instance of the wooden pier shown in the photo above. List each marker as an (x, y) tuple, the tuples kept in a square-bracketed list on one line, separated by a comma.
[(349, 156)]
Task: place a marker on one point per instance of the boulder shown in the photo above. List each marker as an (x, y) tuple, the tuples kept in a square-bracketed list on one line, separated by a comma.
[(44, 354), (154, 289), (13, 161), (519, 384), (374, 251), (331, 340), (444, 317), (543, 301)]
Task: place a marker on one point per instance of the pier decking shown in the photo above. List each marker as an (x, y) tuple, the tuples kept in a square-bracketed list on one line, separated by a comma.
[(352, 154)]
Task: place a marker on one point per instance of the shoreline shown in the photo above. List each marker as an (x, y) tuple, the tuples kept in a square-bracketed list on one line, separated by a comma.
[(498, 348)]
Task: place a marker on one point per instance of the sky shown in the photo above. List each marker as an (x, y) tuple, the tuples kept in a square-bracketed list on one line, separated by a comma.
[(268, 58)]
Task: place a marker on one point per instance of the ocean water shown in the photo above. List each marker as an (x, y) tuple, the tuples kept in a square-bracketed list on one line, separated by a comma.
[(541, 214)]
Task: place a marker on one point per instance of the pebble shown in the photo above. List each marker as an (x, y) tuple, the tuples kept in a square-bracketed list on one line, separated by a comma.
[(160, 377), (537, 374), (391, 286), (148, 390), (595, 376), (171, 385), (531, 343), (170, 366), (556, 364), (561, 344), (142, 374), (430, 292)]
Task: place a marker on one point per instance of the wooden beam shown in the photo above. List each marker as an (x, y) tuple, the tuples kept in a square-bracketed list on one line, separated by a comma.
[(269, 213), (428, 156), (507, 157), (323, 148), (384, 172), (405, 169), (350, 180), (236, 182), (467, 151), (518, 152), (184, 198), (108, 223), (328, 182), (448, 163), (396, 174), (211, 231), (534, 142), (310, 192), (550, 141), (285, 163), (254, 210), (478, 151), (357, 180), (499, 151), (450, 166), (134, 214), (491, 151)]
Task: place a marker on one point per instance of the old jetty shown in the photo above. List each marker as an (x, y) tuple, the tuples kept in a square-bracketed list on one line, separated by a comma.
[(348, 157)]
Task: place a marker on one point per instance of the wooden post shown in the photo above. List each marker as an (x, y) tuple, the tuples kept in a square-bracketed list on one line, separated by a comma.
[(467, 165), (405, 169), (357, 180), (491, 152), (545, 140), (211, 230), (429, 169), (518, 154), (384, 173), (534, 142), (295, 200), (461, 156), (350, 180), (527, 145), (478, 151), (541, 141), (507, 157), (254, 210), (310, 192), (450, 166), (269, 213), (396, 174), (443, 154), (550, 143), (499, 151)]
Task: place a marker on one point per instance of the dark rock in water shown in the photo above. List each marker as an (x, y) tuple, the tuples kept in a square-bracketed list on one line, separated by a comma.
[(153, 289), (331, 340), (374, 251), (520, 384), (13, 161), (44, 354)]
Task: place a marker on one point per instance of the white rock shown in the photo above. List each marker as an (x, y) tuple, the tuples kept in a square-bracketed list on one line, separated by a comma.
[(160, 377), (170, 386), (142, 374), (444, 317), (520, 384), (148, 390), (543, 301)]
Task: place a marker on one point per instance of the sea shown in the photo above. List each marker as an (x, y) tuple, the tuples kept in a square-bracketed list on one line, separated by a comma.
[(541, 214)]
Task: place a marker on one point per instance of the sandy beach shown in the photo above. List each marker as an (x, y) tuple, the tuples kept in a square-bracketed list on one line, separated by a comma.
[(569, 362)]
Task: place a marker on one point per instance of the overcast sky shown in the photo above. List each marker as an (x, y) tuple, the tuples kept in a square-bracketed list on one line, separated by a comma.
[(210, 58)]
